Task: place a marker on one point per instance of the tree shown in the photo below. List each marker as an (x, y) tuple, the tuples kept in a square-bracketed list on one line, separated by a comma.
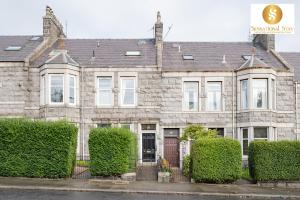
[(196, 131)]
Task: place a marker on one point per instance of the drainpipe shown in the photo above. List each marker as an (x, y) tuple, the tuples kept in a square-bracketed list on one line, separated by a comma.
[(233, 131), (81, 113), (296, 110)]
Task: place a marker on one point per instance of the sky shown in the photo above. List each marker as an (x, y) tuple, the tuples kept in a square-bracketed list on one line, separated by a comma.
[(190, 20)]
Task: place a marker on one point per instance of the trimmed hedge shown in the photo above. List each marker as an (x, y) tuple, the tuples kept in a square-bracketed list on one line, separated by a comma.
[(186, 165), (216, 160), (37, 148), (272, 161), (112, 151)]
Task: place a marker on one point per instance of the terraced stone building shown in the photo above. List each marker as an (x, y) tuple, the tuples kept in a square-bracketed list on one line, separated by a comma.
[(245, 90)]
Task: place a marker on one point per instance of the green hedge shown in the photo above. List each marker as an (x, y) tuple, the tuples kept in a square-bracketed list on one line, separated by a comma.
[(216, 160), (271, 161), (37, 148), (112, 151), (186, 166)]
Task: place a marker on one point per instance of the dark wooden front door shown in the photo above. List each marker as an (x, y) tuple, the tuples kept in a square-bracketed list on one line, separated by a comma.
[(171, 150)]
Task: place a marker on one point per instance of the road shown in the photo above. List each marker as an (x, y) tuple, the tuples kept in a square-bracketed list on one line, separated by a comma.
[(10, 194)]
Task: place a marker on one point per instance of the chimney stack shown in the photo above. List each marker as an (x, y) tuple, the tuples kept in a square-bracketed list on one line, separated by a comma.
[(158, 40), (267, 41), (52, 28)]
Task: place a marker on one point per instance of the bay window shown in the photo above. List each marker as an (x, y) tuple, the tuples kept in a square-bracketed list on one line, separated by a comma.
[(260, 93), (260, 133), (105, 91), (57, 88), (214, 96), (128, 91), (190, 95)]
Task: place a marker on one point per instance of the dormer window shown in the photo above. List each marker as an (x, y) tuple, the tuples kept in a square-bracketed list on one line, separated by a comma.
[(133, 53), (187, 57), (13, 48)]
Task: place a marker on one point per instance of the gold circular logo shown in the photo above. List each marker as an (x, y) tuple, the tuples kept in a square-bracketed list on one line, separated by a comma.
[(272, 14)]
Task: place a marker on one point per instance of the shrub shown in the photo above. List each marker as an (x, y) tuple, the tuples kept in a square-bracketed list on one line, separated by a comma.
[(112, 151), (271, 161), (37, 148), (196, 131), (186, 168), (216, 160)]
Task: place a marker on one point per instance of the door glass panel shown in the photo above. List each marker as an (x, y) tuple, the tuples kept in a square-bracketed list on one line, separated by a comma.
[(148, 147)]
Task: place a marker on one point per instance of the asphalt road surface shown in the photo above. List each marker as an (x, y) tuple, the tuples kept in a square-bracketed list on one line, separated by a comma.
[(10, 194)]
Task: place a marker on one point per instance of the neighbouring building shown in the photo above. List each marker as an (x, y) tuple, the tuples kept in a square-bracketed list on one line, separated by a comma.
[(245, 90)]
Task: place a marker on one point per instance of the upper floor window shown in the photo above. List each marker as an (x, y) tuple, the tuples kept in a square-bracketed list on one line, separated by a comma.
[(260, 93), (190, 95), (72, 89), (214, 96), (57, 88), (244, 94), (105, 93), (128, 91), (43, 90)]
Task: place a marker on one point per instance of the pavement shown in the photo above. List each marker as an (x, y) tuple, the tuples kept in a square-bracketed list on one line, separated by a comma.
[(148, 187)]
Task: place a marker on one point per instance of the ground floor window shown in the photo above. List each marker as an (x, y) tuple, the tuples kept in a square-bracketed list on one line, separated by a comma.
[(220, 131), (103, 125), (248, 134)]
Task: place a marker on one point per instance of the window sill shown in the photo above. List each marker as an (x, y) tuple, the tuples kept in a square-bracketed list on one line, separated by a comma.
[(256, 110)]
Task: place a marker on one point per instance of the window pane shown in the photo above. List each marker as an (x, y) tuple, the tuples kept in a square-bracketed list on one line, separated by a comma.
[(245, 133), (190, 95), (214, 90), (128, 83), (148, 126), (57, 89), (220, 131), (244, 94), (128, 91), (103, 125), (128, 97), (245, 147), (72, 89), (260, 93), (105, 91), (273, 94), (261, 133), (105, 82), (105, 97), (126, 126)]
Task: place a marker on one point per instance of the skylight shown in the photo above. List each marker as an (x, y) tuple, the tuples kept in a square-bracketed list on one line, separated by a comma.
[(34, 38), (246, 57), (132, 53), (187, 57), (13, 48)]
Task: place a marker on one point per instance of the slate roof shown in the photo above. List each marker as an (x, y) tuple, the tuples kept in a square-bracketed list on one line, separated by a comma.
[(111, 52), (253, 62), (208, 56), (293, 58), (24, 41)]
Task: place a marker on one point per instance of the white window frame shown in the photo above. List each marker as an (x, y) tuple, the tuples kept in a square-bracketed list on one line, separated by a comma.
[(98, 90), (75, 89), (242, 139), (134, 78), (191, 79), (222, 103), (63, 87), (131, 126)]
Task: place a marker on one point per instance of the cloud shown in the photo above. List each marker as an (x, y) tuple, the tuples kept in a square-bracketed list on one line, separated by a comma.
[(191, 20)]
